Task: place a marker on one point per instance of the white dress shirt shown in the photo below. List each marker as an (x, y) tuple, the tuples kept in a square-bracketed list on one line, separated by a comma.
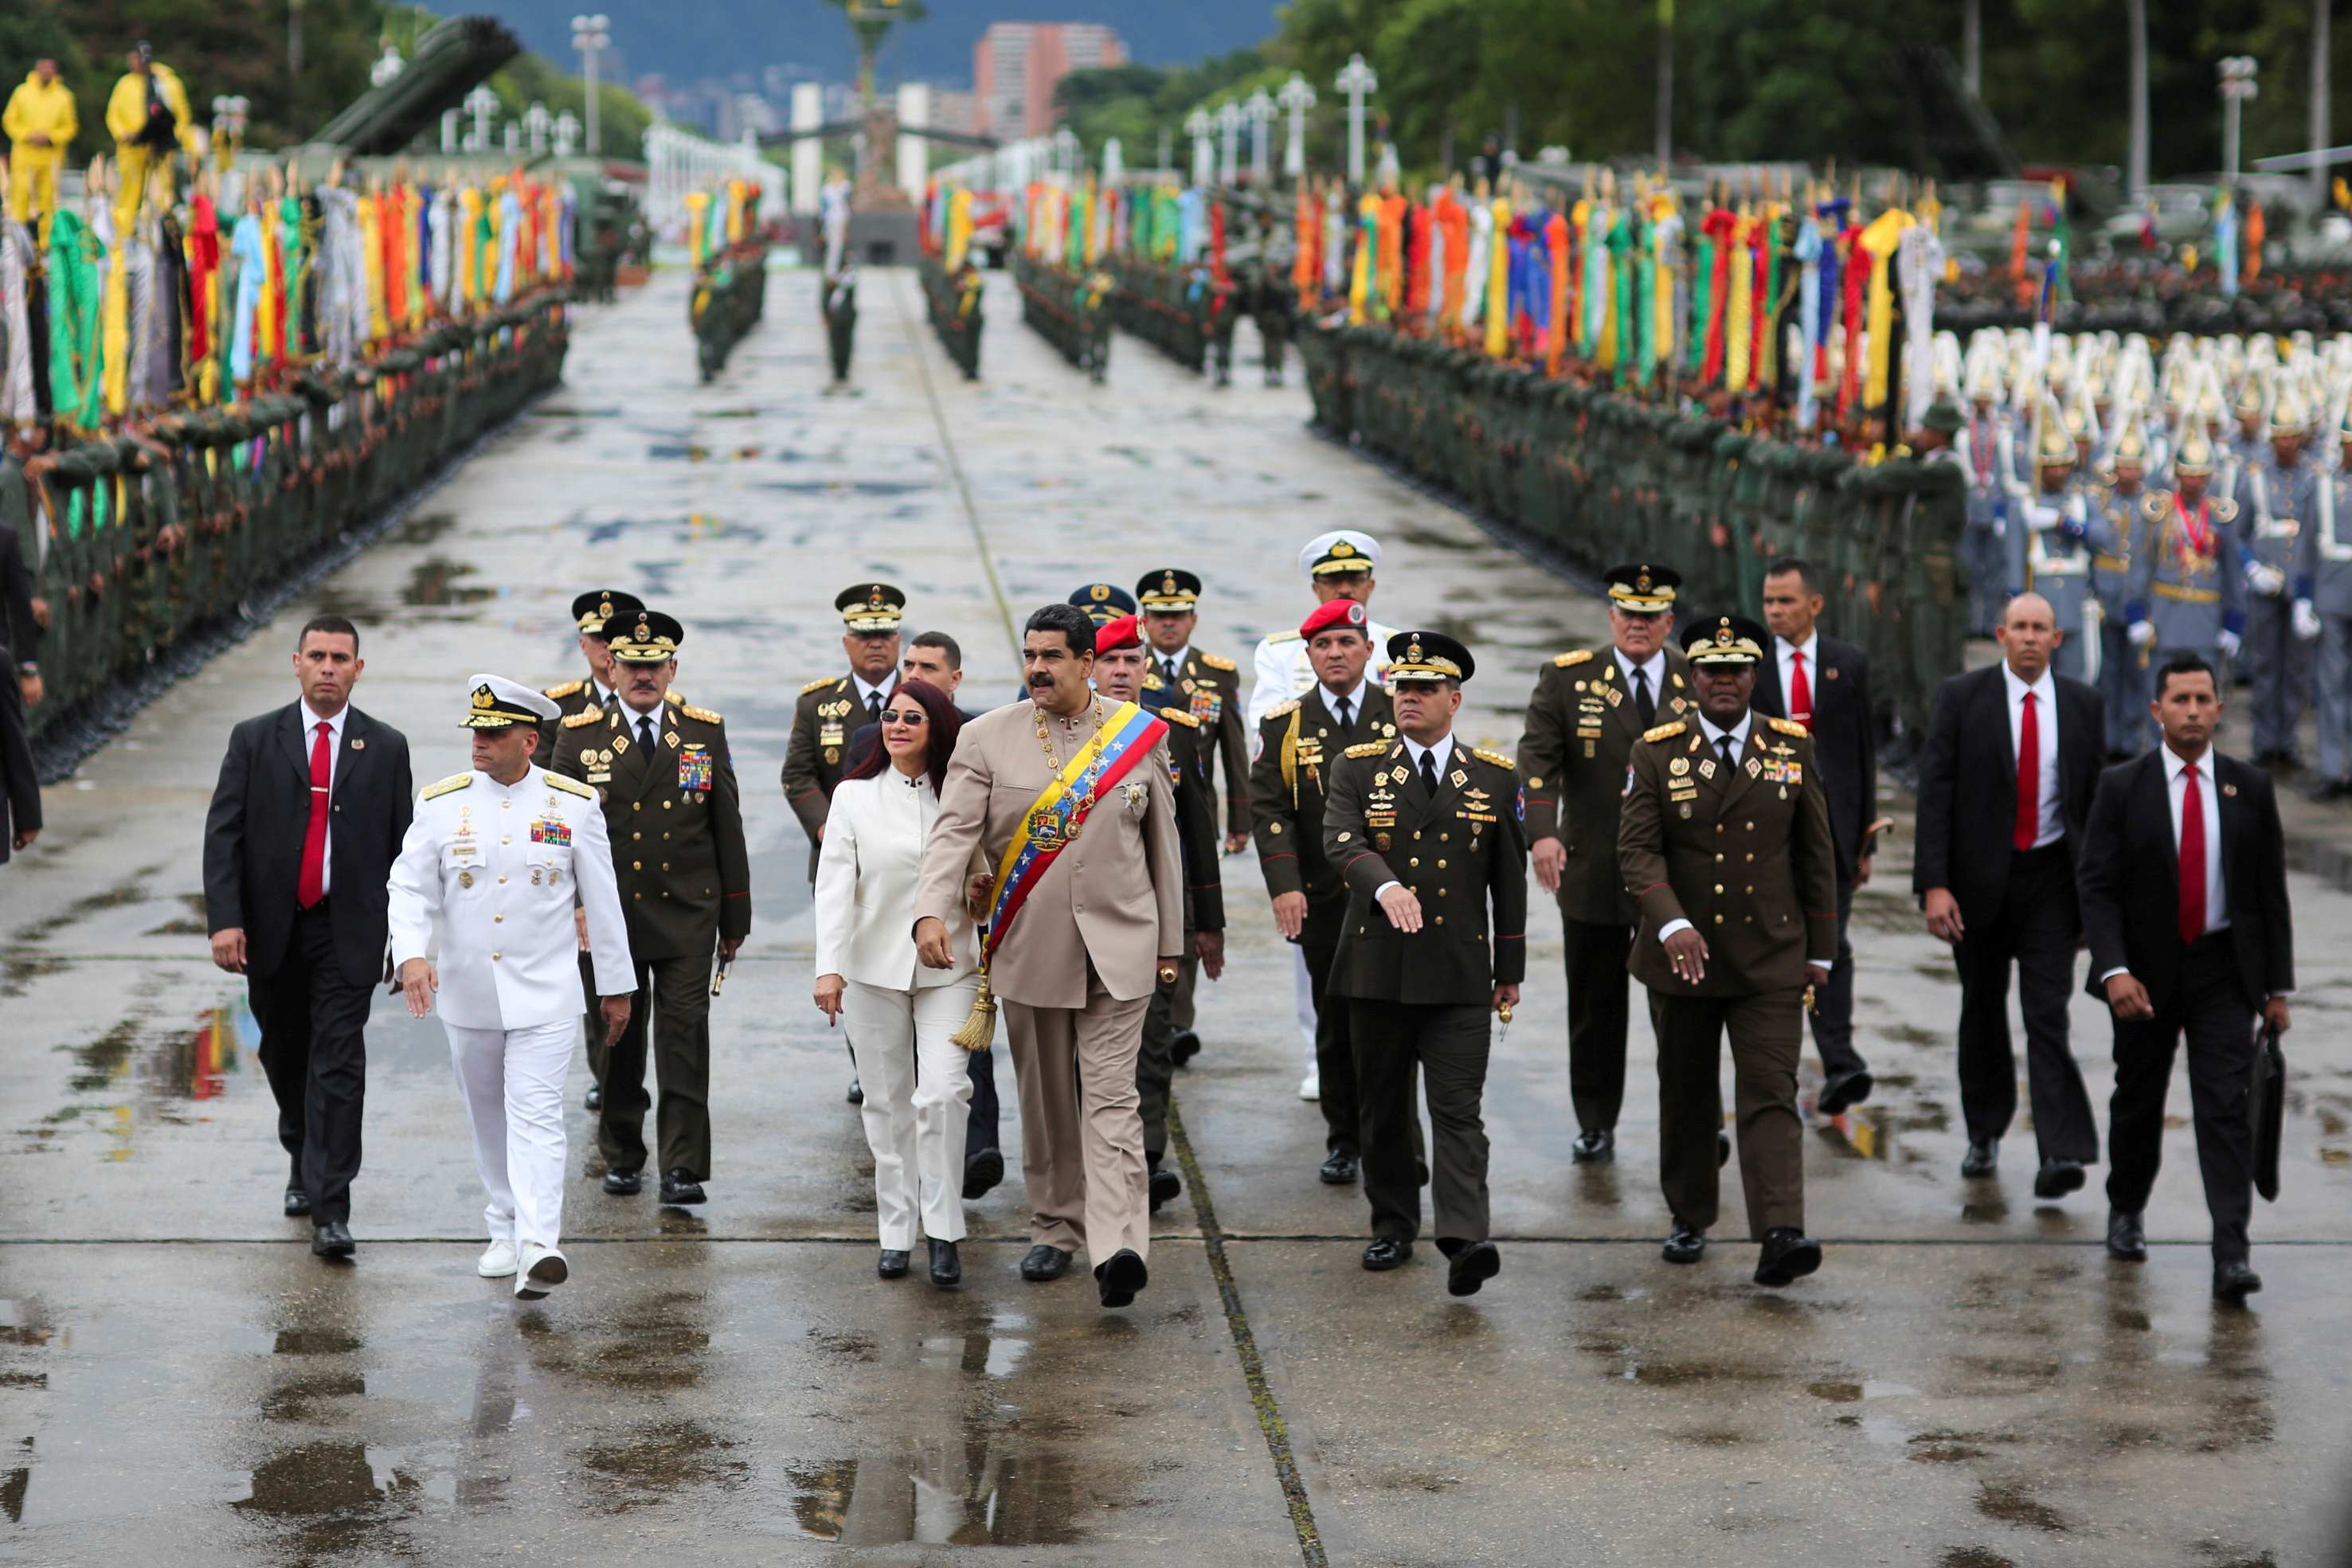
[(2176, 794), (1159, 662), (864, 695), (1713, 733), (310, 723), (1653, 669), (1784, 653), (2052, 818), (1441, 755), (866, 872), (1355, 700), (1283, 668)]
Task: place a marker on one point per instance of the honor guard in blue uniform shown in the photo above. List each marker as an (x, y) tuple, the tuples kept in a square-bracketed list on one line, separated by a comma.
[(2327, 617), (2188, 592), (2275, 495), (2051, 553), (2118, 534)]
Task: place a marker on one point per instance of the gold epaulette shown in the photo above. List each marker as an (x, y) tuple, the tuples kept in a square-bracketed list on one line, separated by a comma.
[(2225, 510), (1280, 710), (1178, 716), (454, 781), (2155, 504), (1664, 731), (704, 713), (1508, 764), (1152, 683), (673, 698), (567, 689), (1785, 725), (1282, 636), (1215, 663), (1369, 747), (585, 716), (1574, 656), (818, 684), (570, 786)]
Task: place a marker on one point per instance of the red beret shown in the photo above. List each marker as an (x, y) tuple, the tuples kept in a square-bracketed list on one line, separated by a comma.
[(1112, 635), (1334, 612)]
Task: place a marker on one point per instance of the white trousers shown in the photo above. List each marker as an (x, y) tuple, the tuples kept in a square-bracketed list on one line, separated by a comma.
[(916, 1082), (512, 1081)]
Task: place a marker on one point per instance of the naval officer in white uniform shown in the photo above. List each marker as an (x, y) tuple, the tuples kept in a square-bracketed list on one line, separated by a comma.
[(499, 853)]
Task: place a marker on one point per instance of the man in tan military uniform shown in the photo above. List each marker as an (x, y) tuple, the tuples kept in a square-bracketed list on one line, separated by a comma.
[(1588, 712), (676, 822), (829, 710), (1425, 833), (1209, 688), (1725, 844)]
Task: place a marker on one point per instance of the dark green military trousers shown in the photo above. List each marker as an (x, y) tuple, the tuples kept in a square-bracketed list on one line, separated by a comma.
[(1766, 1034), (1448, 1044)]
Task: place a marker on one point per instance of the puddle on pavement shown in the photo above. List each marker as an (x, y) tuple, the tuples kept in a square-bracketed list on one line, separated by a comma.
[(423, 528), (976, 1492), (659, 1460), (440, 581), (191, 924), (143, 1070)]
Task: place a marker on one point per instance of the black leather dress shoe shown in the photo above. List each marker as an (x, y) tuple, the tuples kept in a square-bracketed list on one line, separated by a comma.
[(1339, 1168), (1844, 1092), (1594, 1146), (2056, 1178), (982, 1169), (297, 1203), (1722, 1150), (1685, 1244), (678, 1186), (1044, 1263), (2234, 1281), (1387, 1252), (625, 1184), (1471, 1266), (947, 1269), (1982, 1159), (333, 1240), (1165, 1187), (1788, 1257), (856, 1092), (1184, 1046), (2126, 1240), (1120, 1276), (892, 1264), (594, 1100)]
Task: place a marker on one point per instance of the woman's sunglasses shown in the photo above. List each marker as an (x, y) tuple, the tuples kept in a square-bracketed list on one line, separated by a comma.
[(910, 717)]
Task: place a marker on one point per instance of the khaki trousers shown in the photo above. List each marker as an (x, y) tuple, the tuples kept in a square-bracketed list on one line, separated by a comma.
[(1082, 1123)]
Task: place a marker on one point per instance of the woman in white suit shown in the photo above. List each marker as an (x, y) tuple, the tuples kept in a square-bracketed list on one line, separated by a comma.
[(900, 1014)]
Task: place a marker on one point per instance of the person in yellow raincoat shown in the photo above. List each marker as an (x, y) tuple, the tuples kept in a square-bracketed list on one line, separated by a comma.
[(40, 124), (149, 117)]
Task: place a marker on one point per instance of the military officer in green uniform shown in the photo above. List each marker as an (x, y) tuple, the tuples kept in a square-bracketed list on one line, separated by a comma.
[(1412, 820), (676, 823), (1726, 846), (829, 709), (1299, 743), (1587, 711), (1209, 688)]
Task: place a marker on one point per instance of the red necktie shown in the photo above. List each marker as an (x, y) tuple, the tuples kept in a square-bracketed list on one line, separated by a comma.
[(313, 886), (1800, 691), (2192, 859), (2029, 778)]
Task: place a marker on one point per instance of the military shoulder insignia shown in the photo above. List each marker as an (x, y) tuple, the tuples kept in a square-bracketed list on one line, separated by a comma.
[(819, 684), (704, 713), (1281, 710), (570, 786), (1785, 725), (1664, 731), (674, 699), (586, 716), (2225, 510), (1152, 683), (1574, 656), (1178, 716), (1368, 748), (1215, 663), (454, 781), (1497, 757), (2155, 504), (1282, 637), (567, 689)]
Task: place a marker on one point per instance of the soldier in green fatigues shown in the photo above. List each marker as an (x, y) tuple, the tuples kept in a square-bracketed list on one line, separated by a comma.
[(1725, 844), (676, 822), (1412, 822)]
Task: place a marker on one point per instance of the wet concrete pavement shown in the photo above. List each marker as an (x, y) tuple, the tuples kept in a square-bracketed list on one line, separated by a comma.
[(1968, 1382)]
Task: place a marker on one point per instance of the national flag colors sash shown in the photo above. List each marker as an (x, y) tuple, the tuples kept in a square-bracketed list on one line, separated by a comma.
[(1055, 820)]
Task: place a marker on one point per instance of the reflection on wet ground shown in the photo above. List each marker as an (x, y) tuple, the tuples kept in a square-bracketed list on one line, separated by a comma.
[(957, 1494)]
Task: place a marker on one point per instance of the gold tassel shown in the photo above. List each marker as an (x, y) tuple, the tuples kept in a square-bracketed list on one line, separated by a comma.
[(979, 1030)]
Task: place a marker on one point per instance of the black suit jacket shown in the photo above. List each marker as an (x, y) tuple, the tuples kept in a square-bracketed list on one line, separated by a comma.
[(261, 814), (2129, 874), (1967, 784), (20, 786), (1846, 742)]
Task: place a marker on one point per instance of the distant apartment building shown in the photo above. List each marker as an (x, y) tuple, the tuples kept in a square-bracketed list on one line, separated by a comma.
[(1016, 66)]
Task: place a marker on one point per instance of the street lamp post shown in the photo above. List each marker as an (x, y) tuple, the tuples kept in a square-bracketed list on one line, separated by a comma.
[(1297, 98), (1197, 125), (1229, 136), (479, 106), (1260, 112), (387, 66), (2238, 85), (567, 133), (536, 122), (1356, 79), (592, 36)]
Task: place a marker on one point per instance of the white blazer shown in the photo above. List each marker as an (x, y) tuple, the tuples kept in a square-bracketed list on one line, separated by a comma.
[(865, 875)]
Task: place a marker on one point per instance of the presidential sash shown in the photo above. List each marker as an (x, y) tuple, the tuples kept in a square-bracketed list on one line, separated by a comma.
[(1058, 815)]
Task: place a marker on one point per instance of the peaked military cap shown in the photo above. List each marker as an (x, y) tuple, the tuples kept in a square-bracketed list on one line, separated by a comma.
[(494, 701), (1103, 602), (651, 638), (1942, 416), (871, 607), (1170, 589), (1340, 550), (1428, 656), (595, 607), (1642, 589), (1726, 639)]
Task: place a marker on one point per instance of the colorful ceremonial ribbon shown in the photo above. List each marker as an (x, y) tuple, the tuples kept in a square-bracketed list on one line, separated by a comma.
[(1884, 232), (1360, 286), (1499, 262), (1556, 241), (1740, 312), (1856, 275), (1308, 265), (1722, 226), (1454, 219), (1393, 210), (1625, 326), (1056, 817), (114, 329)]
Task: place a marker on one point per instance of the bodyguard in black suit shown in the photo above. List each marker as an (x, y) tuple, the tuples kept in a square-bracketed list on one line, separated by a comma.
[(1995, 874), (2184, 900), (308, 817), (1824, 685)]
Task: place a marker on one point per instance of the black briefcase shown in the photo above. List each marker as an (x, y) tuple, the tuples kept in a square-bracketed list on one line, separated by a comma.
[(2266, 1110)]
